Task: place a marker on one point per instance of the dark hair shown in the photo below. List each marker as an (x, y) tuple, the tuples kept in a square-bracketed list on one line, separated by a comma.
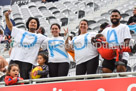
[(9, 68), (71, 37), (115, 10), (56, 25), (45, 57), (104, 25), (93, 39), (29, 19), (79, 32), (85, 21), (99, 35), (42, 30)]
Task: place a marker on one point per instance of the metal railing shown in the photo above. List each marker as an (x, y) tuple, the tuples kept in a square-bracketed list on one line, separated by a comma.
[(79, 77)]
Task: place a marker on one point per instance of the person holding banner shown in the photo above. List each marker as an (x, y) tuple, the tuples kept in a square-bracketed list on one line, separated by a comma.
[(58, 56), (117, 34), (26, 44), (86, 55)]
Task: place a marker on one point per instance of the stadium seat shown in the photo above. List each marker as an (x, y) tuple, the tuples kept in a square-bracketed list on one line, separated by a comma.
[(106, 15), (129, 11), (66, 2), (95, 26), (81, 14), (19, 21), (126, 18), (102, 20), (124, 15), (91, 22), (31, 5), (25, 12), (123, 22), (64, 21)]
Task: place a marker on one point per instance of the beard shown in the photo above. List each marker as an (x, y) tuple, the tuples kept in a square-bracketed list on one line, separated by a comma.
[(115, 22), (32, 29)]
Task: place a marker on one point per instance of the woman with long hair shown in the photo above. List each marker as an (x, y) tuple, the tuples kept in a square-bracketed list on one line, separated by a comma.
[(86, 56)]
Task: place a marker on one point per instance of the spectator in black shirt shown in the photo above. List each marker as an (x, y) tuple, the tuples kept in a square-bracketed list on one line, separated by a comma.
[(132, 19)]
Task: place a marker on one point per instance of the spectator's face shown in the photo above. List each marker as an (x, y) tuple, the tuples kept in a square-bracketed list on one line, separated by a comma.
[(40, 60), (134, 11), (83, 26), (115, 18), (33, 24), (14, 72), (39, 31), (55, 30)]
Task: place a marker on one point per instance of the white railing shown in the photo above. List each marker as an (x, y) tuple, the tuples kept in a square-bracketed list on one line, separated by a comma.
[(80, 77)]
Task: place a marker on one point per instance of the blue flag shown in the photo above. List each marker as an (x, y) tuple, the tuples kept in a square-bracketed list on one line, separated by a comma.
[(132, 27)]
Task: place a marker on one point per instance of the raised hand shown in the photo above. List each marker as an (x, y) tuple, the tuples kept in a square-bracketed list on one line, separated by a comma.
[(65, 32), (7, 13), (14, 78), (8, 21)]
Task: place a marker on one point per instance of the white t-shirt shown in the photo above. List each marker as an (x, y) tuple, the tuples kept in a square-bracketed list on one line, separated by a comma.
[(83, 48), (117, 35), (26, 45), (56, 49)]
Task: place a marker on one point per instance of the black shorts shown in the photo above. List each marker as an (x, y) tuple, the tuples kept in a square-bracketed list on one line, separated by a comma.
[(110, 64)]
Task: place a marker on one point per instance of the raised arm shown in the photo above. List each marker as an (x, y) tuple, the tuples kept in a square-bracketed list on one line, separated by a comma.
[(68, 46), (8, 21)]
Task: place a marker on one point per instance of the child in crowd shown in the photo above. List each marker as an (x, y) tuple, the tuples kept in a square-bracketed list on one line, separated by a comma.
[(108, 52), (12, 75), (42, 61)]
